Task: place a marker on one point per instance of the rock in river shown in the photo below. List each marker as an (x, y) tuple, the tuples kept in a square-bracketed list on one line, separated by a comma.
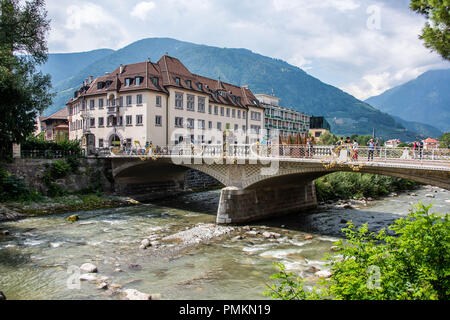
[(73, 218), (145, 244), (132, 294), (89, 268), (323, 274)]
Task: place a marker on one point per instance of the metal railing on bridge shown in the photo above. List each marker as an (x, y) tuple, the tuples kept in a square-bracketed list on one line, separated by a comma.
[(324, 153)]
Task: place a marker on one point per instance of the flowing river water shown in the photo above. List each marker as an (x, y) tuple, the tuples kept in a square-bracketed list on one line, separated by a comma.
[(37, 255)]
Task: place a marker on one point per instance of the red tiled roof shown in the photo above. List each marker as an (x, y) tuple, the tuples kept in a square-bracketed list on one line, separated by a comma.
[(166, 70), (430, 140), (59, 115)]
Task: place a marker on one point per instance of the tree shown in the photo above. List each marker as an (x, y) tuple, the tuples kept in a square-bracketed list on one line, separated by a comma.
[(436, 33), (412, 264), (327, 139), (24, 92), (444, 140)]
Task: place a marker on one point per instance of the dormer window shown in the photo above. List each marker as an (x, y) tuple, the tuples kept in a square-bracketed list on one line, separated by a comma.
[(108, 83), (238, 99), (155, 81), (128, 82), (223, 93), (100, 85), (200, 86), (188, 83), (138, 81), (177, 81)]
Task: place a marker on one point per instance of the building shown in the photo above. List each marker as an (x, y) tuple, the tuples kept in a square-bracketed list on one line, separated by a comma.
[(318, 126), (430, 144), (393, 143), (55, 127), (162, 103), (288, 122)]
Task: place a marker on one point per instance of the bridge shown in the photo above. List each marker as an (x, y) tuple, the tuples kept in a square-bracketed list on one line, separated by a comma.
[(265, 181)]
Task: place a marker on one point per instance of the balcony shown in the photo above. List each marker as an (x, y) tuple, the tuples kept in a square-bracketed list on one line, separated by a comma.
[(113, 110)]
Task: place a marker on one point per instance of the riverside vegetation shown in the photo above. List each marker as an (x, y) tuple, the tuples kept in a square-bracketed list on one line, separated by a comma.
[(411, 264)]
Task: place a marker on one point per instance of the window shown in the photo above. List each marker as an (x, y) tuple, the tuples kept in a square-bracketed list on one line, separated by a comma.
[(244, 128), (190, 102), (244, 114), (255, 116), (129, 100), (210, 109), (127, 82), (179, 122), (121, 101), (216, 110), (210, 125), (188, 83), (92, 104), (158, 101), (236, 127), (155, 81), (201, 124), (255, 129), (201, 104), (219, 125), (200, 86), (233, 113), (228, 112), (100, 103), (239, 114), (139, 120), (100, 143), (158, 121), (178, 100), (139, 99), (92, 123), (129, 120), (101, 122), (138, 81), (100, 85), (177, 81), (227, 126), (238, 100), (120, 121), (222, 111), (190, 123)]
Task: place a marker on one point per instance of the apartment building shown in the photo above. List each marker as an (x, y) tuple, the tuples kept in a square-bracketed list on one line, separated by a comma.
[(288, 122), (162, 103), (55, 126)]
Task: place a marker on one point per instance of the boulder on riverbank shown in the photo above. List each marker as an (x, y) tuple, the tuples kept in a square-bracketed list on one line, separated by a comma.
[(8, 214), (89, 268), (73, 218)]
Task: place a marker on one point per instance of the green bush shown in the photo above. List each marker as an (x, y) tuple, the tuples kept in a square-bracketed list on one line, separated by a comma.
[(413, 264), (14, 189), (345, 185)]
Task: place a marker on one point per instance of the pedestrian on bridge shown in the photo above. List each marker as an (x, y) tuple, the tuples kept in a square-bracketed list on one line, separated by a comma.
[(355, 150), (371, 148), (415, 147), (421, 149)]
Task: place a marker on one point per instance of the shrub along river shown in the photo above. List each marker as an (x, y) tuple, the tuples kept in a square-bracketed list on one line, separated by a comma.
[(39, 256)]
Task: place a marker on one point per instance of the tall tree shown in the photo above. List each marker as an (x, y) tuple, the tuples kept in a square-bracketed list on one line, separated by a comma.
[(24, 92), (436, 33)]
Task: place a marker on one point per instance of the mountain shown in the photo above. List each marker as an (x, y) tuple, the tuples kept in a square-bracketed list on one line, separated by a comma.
[(297, 89), (425, 99), (422, 129), (59, 65)]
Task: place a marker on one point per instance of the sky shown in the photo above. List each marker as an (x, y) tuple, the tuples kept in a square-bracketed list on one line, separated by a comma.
[(363, 47)]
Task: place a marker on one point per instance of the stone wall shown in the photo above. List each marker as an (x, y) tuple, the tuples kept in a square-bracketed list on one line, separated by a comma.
[(197, 180), (92, 172)]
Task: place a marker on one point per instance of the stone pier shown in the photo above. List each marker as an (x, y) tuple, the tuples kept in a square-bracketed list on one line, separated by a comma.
[(243, 205)]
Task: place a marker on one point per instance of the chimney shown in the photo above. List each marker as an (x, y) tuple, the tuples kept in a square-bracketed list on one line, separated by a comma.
[(148, 59), (91, 78), (121, 69)]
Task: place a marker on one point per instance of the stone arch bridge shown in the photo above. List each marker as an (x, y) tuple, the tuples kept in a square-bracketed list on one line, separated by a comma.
[(260, 187)]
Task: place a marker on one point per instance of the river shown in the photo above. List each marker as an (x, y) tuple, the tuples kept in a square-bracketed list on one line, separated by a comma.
[(36, 255)]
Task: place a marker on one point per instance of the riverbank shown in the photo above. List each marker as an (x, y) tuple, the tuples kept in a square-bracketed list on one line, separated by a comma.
[(71, 203)]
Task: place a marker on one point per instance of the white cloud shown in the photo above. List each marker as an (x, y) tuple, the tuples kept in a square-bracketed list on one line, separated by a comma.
[(142, 9), (86, 14)]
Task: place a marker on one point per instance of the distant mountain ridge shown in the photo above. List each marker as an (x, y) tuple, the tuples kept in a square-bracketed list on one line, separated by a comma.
[(425, 99), (346, 114)]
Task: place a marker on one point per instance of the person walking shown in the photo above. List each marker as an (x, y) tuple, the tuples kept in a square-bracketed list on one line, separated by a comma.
[(371, 148), (421, 149), (415, 146), (355, 150)]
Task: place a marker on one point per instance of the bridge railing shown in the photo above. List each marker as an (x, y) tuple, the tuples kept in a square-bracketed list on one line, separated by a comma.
[(345, 153)]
